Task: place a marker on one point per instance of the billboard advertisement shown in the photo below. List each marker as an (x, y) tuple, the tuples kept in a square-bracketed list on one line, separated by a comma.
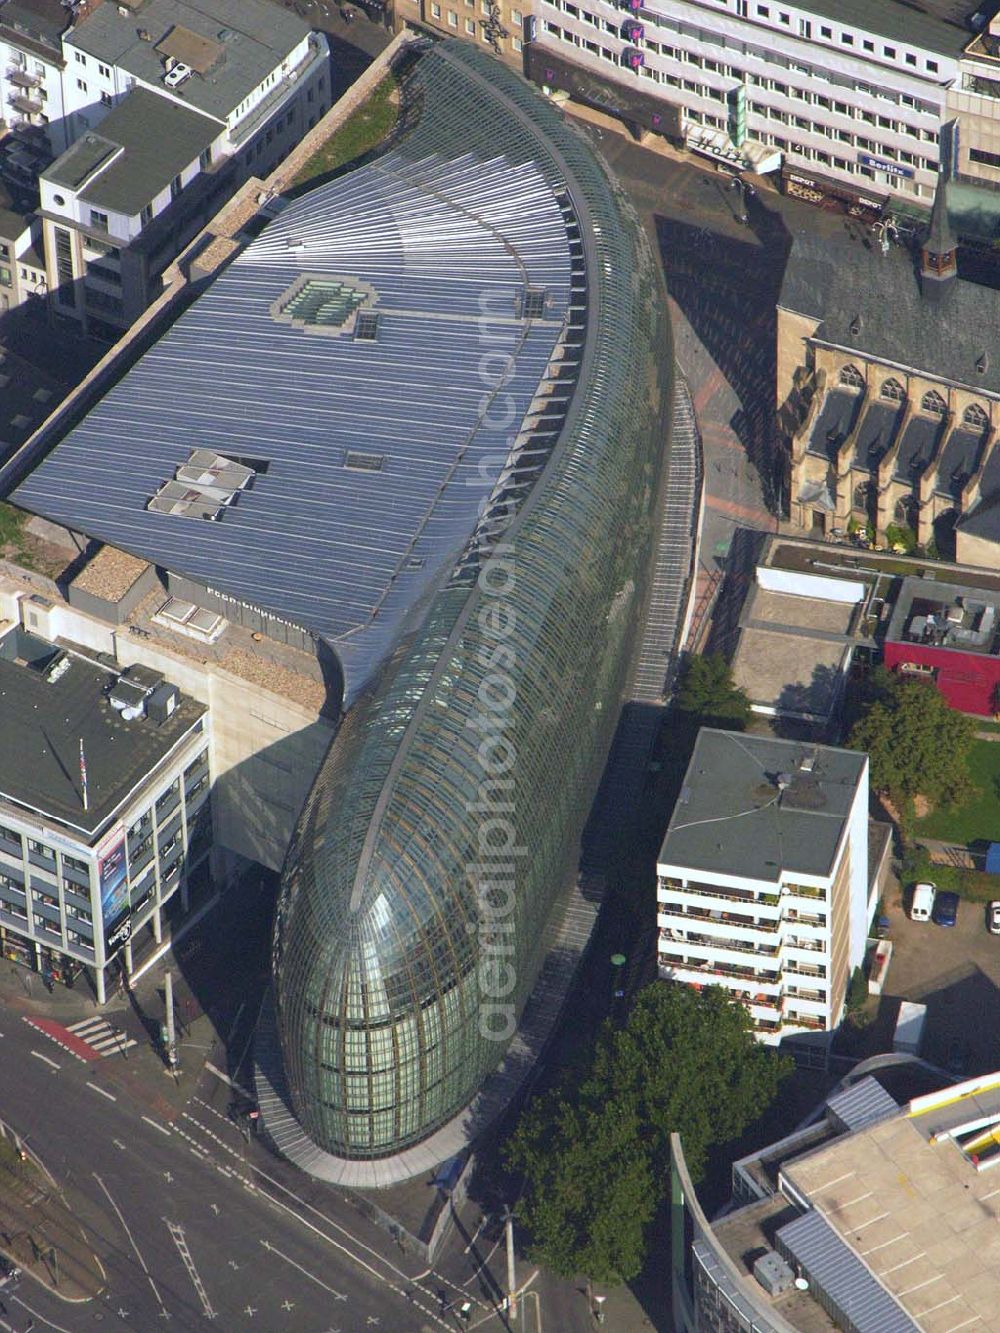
[(112, 876)]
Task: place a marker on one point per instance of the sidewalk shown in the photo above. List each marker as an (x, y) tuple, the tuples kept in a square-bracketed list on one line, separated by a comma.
[(39, 1230)]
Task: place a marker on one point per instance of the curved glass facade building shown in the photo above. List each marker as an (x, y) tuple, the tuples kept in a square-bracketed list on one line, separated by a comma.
[(443, 830)]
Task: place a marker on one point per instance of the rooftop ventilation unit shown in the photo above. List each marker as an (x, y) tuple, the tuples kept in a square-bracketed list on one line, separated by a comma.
[(773, 1273), (131, 691), (180, 73), (58, 668), (203, 487), (366, 326)]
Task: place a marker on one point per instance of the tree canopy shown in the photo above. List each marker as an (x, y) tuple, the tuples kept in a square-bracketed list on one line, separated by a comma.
[(707, 693), (916, 744), (595, 1154)]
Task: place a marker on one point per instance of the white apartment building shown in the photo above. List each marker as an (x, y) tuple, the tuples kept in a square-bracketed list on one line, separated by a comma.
[(846, 99), (762, 880), (31, 67), (237, 61), (172, 105), (22, 268)]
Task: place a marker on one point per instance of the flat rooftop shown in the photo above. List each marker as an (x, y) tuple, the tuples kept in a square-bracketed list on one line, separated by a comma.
[(237, 43), (906, 1198), (955, 616), (280, 668), (139, 148), (732, 816), (44, 716), (792, 650), (745, 1235), (935, 25)]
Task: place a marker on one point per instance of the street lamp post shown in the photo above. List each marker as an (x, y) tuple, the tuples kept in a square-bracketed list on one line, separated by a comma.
[(618, 961)]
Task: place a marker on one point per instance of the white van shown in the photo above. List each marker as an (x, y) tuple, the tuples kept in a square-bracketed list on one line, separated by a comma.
[(923, 902)]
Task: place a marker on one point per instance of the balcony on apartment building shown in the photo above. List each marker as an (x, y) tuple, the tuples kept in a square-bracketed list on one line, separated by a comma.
[(26, 104), (23, 78), (771, 952), (742, 982), (707, 890), (722, 925)]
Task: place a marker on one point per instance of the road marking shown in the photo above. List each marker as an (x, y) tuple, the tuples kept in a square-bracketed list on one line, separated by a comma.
[(228, 1081), (118, 1144), (288, 1305), (271, 1249), (110, 1096), (232, 1026), (249, 1310), (39, 1056), (131, 1241), (98, 1033), (36, 1316), (177, 1235), (156, 1126), (351, 1254)]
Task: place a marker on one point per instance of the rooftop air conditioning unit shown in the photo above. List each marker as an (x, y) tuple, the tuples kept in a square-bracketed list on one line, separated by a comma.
[(773, 1273), (179, 74)]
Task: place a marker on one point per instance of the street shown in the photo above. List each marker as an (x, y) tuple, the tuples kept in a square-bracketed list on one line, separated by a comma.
[(184, 1229)]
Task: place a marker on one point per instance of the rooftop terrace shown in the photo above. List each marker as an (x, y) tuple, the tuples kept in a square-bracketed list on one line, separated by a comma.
[(946, 615)]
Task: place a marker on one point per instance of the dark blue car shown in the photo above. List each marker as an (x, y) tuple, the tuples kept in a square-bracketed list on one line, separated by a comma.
[(945, 909)]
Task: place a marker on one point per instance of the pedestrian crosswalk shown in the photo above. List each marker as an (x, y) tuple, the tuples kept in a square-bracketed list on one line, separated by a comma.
[(99, 1033), (88, 1040)]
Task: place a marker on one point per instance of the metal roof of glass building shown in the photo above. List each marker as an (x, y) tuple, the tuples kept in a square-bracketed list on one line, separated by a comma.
[(449, 375), (444, 828), (371, 454)]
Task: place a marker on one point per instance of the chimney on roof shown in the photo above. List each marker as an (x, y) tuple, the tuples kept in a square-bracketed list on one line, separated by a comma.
[(938, 254)]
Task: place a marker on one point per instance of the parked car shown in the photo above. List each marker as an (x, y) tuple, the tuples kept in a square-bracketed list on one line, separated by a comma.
[(993, 918), (945, 909), (922, 904)]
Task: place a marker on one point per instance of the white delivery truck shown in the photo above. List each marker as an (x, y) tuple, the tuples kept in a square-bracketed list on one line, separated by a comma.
[(909, 1028), (922, 905)]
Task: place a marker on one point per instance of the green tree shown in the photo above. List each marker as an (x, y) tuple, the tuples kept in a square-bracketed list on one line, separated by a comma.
[(596, 1154), (590, 1193), (916, 744), (708, 693)]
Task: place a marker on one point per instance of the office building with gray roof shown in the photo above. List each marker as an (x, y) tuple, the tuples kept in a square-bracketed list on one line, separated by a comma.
[(453, 354), (105, 801)]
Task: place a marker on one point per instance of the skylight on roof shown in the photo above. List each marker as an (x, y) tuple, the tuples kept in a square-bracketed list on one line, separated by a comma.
[(321, 303), (203, 487), (533, 303), (356, 460), (366, 327)]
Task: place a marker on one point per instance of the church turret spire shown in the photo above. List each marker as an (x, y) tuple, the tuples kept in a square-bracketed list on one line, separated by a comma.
[(938, 265)]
